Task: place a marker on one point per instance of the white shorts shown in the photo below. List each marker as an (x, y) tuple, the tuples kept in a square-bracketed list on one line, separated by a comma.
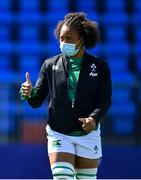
[(88, 146)]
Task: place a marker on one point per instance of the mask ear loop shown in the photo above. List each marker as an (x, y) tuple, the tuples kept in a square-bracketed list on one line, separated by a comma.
[(77, 43)]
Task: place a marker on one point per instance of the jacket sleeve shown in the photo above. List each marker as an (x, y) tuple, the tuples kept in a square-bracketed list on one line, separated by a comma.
[(41, 88), (104, 94)]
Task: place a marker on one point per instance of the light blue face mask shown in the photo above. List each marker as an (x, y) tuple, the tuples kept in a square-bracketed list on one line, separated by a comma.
[(69, 49)]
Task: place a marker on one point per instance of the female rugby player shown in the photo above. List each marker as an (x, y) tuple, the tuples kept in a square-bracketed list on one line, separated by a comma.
[(78, 85)]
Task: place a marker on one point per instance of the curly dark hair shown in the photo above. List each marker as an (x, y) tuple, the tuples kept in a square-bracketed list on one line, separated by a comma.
[(86, 28)]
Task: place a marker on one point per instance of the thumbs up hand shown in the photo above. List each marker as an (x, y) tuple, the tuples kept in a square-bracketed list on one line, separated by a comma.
[(88, 124), (26, 87)]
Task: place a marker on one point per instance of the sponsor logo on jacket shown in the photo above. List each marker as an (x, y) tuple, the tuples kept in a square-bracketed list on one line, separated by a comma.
[(93, 70), (55, 67)]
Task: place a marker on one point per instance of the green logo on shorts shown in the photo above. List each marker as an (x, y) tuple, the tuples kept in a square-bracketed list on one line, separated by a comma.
[(96, 149), (56, 143)]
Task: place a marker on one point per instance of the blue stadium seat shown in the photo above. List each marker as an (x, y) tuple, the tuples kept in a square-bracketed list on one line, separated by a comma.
[(5, 32), (33, 114), (5, 92), (29, 63), (58, 6), (32, 5), (5, 5), (121, 95), (137, 5), (6, 48), (123, 80), (29, 32), (50, 33), (116, 18), (6, 17), (5, 63), (94, 16), (117, 57), (116, 34), (138, 34), (4, 126), (52, 48), (136, 19), (122, 109), (7, 119), (117, 49), (7, 76), (52, 18), (140, 95), (95, 51), (28, 48), (123, 126), (30, 17), (86, 6), (137, 48), (116, 5), (139, 64), (118, 64)]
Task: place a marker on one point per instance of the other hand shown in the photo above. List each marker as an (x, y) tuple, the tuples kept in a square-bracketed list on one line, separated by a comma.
[(88, 124)]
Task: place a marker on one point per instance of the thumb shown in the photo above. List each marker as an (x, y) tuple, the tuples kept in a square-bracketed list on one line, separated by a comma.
[(27, 76)]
